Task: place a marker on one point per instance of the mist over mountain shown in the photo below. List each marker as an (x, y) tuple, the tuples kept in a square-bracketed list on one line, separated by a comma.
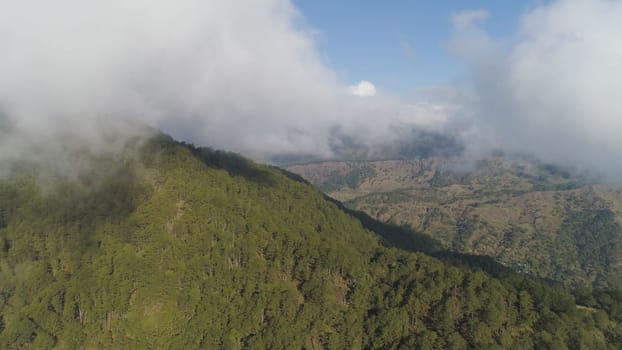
[(407, 144), (551, 89), (246, 78), (252, 80)]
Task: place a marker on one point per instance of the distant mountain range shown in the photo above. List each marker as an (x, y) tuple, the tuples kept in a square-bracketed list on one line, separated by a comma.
[(536, 218)]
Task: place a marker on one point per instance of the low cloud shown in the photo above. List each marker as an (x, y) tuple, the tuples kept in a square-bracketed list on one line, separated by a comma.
[(247, 79), (470, 42), (251, 80), (205, 71), (363, 89), (553, 89)]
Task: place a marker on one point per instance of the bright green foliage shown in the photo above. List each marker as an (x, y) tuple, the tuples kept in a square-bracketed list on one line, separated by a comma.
[(184, 248)]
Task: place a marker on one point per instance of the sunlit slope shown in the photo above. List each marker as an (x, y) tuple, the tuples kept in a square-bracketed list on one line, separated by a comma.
[(536, 218), (170, 247)]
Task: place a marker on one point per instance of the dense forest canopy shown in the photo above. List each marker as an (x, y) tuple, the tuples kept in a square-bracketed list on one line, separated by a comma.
[(166, 245)]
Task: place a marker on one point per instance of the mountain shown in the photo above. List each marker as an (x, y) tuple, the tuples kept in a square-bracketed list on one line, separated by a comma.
[(165, 245), (407, 143), (537, 218)]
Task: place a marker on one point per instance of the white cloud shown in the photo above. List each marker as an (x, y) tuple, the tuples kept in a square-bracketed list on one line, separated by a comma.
[(470, 42), (244, 78), (427, 115), (207, 71), (554, 91), (363, 89)]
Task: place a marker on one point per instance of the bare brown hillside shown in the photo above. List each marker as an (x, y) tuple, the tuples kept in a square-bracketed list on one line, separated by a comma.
[(539, 219)]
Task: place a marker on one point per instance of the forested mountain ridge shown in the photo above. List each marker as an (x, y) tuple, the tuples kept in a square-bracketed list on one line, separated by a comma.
[(170, 246), (537, 218)]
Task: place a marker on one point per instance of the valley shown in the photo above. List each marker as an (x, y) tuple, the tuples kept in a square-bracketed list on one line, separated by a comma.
[(536, 218)]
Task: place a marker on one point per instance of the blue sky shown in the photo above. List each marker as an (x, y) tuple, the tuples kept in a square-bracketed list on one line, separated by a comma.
[(399, 45)]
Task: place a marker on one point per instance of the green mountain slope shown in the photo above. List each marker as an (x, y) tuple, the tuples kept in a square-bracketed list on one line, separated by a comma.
[(171, 247), (536, 218)]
